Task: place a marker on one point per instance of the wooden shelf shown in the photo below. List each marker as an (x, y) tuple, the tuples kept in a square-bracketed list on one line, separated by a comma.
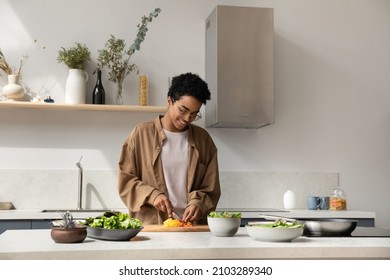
[(81, 107)]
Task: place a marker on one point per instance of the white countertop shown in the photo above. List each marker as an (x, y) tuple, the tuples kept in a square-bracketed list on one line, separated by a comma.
[(299, 213), (37, 244), (37, 214)]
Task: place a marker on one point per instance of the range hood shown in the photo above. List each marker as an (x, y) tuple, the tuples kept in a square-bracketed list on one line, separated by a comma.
[(239, 67)]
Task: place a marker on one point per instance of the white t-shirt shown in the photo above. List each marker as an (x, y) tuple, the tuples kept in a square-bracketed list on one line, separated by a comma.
[(174, 157)]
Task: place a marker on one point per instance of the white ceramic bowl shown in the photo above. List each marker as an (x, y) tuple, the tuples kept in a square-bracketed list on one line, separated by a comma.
[(226, 227), (276, 234)]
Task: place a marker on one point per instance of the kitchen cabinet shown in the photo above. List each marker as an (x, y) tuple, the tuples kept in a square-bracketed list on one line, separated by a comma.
[(36, 219), (41, 224), (24, 224), (14, 224)]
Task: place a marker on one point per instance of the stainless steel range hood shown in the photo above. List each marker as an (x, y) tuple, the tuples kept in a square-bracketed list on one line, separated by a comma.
[(239, 67)]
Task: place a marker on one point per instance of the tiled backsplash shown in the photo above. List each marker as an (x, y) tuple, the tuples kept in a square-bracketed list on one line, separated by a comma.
[(57, 189)]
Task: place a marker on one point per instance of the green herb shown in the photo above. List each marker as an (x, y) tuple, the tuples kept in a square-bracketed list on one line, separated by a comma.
[(113, 220), (75, 57), (224, 214)]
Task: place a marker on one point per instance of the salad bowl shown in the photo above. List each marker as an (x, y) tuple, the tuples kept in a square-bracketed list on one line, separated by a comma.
[(224, 224), (114, 226), (113, 234), (274, 231)]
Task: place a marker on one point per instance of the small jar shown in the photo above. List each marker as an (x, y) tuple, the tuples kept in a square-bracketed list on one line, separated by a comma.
[(143, 90), (338, 200)]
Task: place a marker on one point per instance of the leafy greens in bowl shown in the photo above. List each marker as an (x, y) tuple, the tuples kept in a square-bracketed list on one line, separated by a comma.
[(224, 214), (112, 225), (278, 231), (224, 223)]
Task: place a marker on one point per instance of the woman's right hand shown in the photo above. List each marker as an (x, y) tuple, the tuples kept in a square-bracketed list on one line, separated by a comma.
[(163, 204)]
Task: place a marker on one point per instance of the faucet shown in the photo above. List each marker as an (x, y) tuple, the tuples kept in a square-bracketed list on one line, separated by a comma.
[(80, 190)]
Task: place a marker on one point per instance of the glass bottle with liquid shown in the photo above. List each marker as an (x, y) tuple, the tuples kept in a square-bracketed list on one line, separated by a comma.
[(98, 94)]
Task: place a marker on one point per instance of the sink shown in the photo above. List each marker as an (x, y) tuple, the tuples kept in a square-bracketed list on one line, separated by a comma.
[(76, 210)]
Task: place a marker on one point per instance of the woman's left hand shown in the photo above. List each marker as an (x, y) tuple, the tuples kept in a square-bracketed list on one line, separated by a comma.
[(192, 213)]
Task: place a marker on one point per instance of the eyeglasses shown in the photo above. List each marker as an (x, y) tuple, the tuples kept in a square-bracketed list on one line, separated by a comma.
[(184, 112)]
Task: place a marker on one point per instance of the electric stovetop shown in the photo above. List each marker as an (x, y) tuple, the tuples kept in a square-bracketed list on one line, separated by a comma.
[(370, 232)]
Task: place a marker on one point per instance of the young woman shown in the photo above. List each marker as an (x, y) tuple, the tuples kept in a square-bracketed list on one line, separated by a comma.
[(169, 164)]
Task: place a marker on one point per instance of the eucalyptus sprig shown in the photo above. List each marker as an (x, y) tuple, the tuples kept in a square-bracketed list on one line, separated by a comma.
[(116, 57), (75, 57)]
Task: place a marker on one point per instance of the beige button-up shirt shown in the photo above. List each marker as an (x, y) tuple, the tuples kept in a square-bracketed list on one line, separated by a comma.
[(141, 177)]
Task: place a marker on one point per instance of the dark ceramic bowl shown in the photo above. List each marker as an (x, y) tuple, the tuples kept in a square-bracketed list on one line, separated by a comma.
[(113, 234)]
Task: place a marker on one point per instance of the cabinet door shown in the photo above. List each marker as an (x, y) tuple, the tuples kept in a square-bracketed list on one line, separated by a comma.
[(12, 224), (41, 224)]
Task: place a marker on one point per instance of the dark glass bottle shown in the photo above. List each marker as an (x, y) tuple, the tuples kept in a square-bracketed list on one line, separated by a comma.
[(98, 94)]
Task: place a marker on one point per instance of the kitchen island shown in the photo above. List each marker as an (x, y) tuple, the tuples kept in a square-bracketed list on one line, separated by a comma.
[(37, 244)]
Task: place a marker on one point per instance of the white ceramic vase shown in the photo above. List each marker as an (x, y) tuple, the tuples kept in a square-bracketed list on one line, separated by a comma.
[(13, 90), (76, 87), (289, 200)]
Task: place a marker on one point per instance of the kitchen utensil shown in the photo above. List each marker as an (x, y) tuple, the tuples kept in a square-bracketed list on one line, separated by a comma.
[(275, 218), (260, 232), (175, 216), (328, 227)]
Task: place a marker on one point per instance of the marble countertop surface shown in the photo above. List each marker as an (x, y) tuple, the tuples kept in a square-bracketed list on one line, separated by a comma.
[(37, 244)]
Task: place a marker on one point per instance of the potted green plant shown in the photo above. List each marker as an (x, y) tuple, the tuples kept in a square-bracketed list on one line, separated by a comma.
[(76, 58), (68, 230), (116, 57)]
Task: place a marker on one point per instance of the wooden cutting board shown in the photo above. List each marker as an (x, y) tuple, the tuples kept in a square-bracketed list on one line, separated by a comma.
[(161, 228)]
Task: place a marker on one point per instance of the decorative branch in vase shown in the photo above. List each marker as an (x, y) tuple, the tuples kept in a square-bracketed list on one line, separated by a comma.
[(13, 90), (76, 58), (116, 57)]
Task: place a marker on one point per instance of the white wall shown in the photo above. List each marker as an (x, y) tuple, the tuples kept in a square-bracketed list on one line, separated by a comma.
[(332, 87)]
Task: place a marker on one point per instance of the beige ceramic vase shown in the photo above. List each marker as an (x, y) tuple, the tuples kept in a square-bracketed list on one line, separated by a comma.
[(13, 90)]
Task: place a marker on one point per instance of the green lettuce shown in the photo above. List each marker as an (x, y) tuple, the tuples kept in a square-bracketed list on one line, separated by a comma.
[(113, 220), (224, 214)]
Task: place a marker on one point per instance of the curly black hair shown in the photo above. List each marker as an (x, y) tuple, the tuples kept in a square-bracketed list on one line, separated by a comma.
[(189, 84)]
